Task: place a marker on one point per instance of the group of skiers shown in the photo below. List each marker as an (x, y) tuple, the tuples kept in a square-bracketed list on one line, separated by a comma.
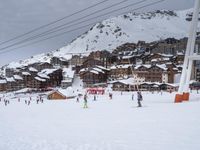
[(5, 101), (27, 102), (85, 99)]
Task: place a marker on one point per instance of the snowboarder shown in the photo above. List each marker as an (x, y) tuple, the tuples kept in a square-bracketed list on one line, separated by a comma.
[(85, 101), (139, 98)]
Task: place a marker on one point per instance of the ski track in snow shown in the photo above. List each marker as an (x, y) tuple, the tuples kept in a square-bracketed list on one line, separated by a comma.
[(106, 125)]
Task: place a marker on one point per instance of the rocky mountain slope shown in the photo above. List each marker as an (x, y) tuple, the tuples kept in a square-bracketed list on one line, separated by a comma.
[(110, 33)]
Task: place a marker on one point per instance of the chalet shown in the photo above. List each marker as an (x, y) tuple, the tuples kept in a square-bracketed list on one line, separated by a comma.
[(91, 62), (102, 56), (9, 72), (68, 77), (53, 77), (124, 85), (77, 60), (61, 94), (11, 83), (92, 76), (170, 46), (19, 82), (27, 78), (33, 71), (179, 58), (59, 61), (157, 58), (38, 83), (152, 73), (40, 66), (120, 71), (3, 83)]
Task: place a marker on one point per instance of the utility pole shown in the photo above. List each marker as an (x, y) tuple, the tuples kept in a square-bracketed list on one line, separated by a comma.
[(190, 56)]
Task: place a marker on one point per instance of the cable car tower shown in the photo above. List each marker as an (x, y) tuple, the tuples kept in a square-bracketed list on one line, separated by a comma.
[(190, 56)]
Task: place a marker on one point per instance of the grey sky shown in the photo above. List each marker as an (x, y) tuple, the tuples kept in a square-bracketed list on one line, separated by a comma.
[(20, 16)]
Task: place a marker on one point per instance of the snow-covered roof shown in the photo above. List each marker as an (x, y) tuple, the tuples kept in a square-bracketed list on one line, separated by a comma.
[(69, 92), (17, 77), (40, 79), (32, 69), (48, 71), (103, 68), (98, 70), (42, 75), (144, 65), (3, 81), (11, 79), (26, 73), (93, 71), (121, 66)]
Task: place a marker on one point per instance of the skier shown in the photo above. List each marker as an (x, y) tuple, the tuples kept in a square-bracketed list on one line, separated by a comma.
[(139, 98), (18, 99), (85, 101), (132, 97), (77, 99), (95, 98), (29, 102)]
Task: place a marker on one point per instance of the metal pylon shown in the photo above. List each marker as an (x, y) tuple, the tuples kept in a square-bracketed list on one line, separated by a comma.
[(190, 56)]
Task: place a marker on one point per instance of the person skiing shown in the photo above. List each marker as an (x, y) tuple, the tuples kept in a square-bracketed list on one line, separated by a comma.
[(85, 101), (77, 99), (95, 98), (132, 97), (139, 98)]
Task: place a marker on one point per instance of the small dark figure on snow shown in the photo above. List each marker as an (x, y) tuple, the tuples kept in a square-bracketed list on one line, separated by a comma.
[(95, 98), (29, 102), (18, 99), (139, 98), (85, 101), (132, 97), (77, 99), (25, 101)]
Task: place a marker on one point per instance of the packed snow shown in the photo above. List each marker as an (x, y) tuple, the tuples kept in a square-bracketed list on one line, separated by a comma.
[(116, 124)]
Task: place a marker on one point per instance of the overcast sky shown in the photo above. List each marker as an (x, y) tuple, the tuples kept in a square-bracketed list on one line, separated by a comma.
[(20, 16)]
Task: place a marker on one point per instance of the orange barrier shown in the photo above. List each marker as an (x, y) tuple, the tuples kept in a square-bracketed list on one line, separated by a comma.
[(186, 96), (178, 98)]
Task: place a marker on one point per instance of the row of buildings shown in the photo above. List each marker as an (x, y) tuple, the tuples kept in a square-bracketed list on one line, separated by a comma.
[(156, 62)]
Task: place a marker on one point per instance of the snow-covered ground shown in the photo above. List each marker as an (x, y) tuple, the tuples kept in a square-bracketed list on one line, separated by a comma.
[(116, 124)]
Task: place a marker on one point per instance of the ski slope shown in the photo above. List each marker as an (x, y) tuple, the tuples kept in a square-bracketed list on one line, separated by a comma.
[(116, 124)]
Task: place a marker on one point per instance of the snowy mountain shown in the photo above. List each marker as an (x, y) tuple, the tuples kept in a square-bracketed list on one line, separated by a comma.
[(132, 27)]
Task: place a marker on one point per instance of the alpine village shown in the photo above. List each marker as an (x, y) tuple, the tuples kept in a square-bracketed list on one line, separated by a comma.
[(151, 66)]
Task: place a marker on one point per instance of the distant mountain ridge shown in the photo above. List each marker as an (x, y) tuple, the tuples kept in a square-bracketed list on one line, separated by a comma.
[(111, 33)]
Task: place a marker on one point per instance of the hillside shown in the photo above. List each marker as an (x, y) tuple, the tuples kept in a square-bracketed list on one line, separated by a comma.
[(132, 27)]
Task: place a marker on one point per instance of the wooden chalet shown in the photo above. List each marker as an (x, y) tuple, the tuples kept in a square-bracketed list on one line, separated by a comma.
[(3, 83), (11, 83), (120, 71), (59, 61), (91, 62), (152, 73), (19, 82), (61, 94), (94, 75), (40, 66)]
